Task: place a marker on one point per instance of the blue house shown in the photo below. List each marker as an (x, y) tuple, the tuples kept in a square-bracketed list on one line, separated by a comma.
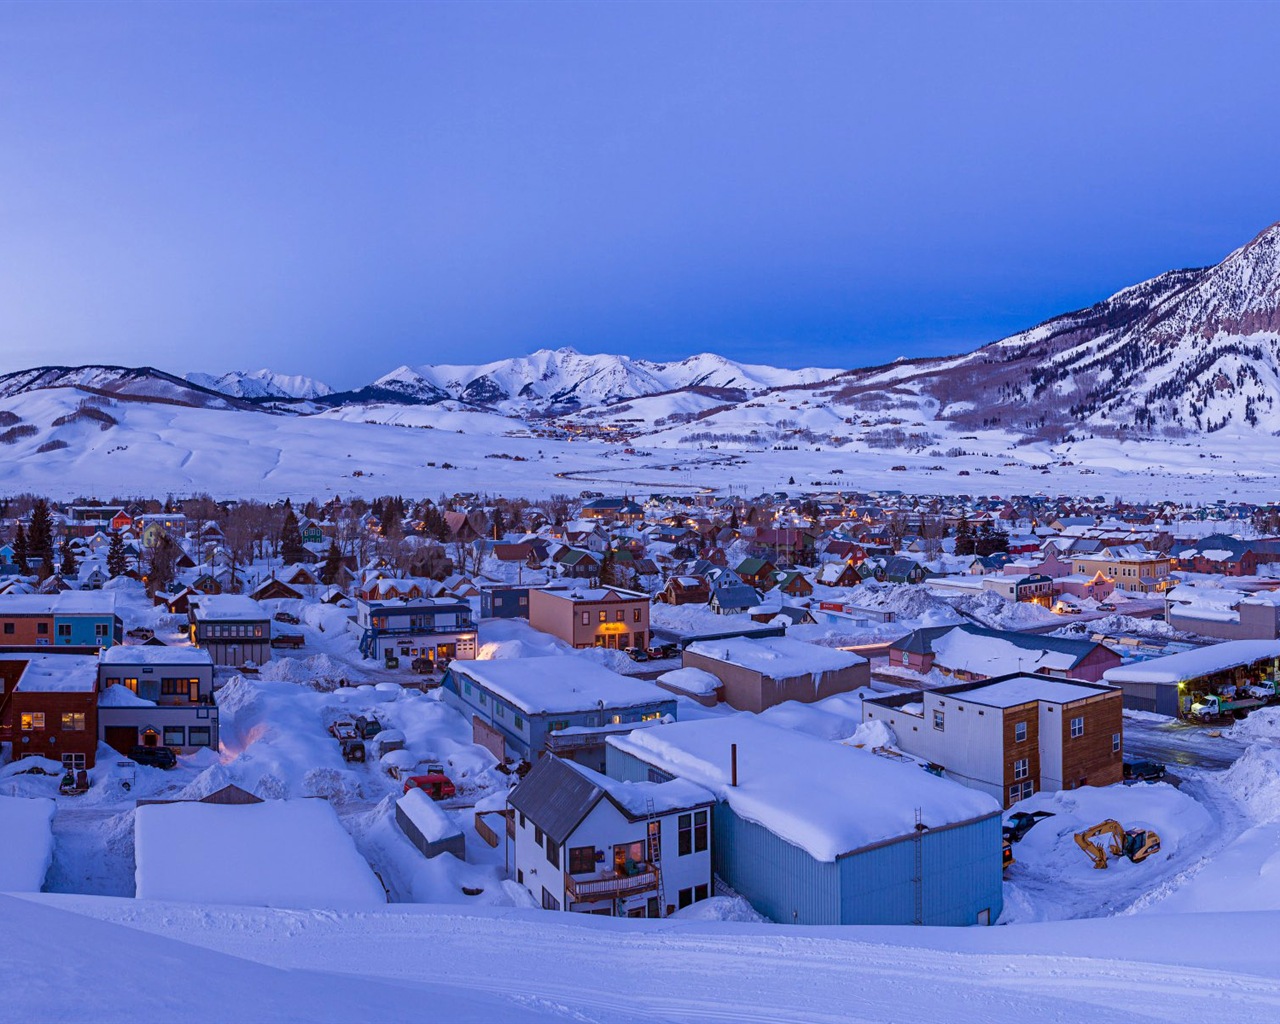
[(436, 628), (504, 601), (566, 704), (816, 832), (86, 619)]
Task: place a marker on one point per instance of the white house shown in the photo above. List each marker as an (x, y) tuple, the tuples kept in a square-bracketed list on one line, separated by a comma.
[(591, 844)]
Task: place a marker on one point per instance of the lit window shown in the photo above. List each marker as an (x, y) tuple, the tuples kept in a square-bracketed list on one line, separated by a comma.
[(73, 721), (32, 720)]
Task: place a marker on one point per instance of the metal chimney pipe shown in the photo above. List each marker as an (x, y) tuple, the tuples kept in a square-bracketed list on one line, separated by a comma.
[(733, 763)]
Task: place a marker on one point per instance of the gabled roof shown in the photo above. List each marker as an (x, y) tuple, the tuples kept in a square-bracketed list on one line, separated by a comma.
[(555, 797)]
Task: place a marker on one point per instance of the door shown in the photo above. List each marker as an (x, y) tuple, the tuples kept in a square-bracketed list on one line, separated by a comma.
[(150, 738), (120, 738)]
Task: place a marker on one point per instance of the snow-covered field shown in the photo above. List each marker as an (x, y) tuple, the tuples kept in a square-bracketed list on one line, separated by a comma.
[(451, 447)]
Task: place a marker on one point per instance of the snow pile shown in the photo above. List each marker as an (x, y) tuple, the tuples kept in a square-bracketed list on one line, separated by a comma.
[(1262, 725), (995, 612), (27, 848), (873, 734), (292, 853), (318, 670), (720, 908), (1254, 780), (690, 680), (907, 601)]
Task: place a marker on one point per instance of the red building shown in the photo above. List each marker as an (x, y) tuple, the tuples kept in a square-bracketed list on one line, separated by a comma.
[(49, 707)]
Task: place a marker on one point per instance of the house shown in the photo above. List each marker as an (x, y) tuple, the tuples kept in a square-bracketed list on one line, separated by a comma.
[(1011, 736), (592, 616), (576, 563), (730, 597), (901, 569), (974, 652), (1133, 568), (1223, 613), (838, 574), (235, 630), (685, 590), (49, 707), (79, 621), (591, 844), (757, 573), (437, 628), (1035, 588), (157, 697), (757, 674), (504, 601), (151, 527), (812, 831), (272, 589), (793, 583), (564, 704)]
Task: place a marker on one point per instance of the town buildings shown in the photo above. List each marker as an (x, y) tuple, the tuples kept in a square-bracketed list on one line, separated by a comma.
[(592, 616)]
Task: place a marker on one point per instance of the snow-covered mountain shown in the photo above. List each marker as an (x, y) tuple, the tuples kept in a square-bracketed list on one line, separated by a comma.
[(565, 379), (139, 382), (261, 384)]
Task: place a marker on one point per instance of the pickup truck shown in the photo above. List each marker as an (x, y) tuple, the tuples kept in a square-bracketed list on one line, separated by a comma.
[(293, 640), (1210, 706)]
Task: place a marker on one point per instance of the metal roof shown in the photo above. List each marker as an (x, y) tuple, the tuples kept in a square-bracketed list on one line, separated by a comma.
[(555, 797)]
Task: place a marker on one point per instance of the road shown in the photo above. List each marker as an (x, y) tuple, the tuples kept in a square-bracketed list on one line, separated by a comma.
[(1179, 744)]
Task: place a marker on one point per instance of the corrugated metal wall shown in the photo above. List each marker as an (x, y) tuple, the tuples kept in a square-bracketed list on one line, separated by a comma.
[(963, 873)]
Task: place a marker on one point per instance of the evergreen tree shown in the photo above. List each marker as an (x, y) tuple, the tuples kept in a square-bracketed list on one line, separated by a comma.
[(70, 564), (734, 523), (291, 549), (40, 537), (332, 564), (609, 569), (21, 551), (117, 561), (499, 523)]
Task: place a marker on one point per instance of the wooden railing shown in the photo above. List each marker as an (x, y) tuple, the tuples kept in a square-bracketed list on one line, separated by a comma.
[(611, 886), (487, 833)]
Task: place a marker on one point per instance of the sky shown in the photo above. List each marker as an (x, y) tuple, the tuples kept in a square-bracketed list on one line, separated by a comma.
[(339, 189)]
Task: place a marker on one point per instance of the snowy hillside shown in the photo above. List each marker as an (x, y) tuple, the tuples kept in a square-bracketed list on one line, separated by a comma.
[(563, 379), (262, 384)]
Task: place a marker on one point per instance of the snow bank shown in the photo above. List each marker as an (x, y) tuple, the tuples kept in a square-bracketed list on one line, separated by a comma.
[(26, 846), (875, 733), (1261, 725), (292, 853), (720, 908), (696, 681)]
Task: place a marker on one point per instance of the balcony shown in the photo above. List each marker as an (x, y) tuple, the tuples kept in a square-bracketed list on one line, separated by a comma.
[(611, 885)]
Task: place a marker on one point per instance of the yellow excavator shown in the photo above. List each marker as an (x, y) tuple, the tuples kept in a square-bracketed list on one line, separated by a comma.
[(1136, 843)]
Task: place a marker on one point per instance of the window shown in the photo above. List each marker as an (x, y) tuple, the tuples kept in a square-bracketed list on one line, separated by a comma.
[(684, 834), (175, 736), (549, 902), (700, 892), (1077, 727), (75, 761), (500, 709), (699, 831), (519, 722), (64, 629), (939, 721), (1020, 732), (553, 852), (42, 628), (619, 615), (635, 615), (537, 835), (100, 630), (174, 687), (523, 601), (1021, 791), (32, 721), (199, 736), (73, 721), (582, 860), (1021, 768), (484, 699), (586, 618), (1115, 743), (522, 819), (686, 898), (604, 615), (466, 687), (8, 629)]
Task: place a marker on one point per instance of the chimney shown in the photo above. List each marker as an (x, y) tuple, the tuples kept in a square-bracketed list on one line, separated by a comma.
[(733, 764)]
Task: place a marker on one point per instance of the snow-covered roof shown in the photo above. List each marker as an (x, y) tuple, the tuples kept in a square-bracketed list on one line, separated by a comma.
[(227, 608), (427, 816), (639, 799), (1175, 668), (559, 684), (776, 657), (690, 680), (67, 602), (143, 654), (278, 853), (57, 673), (961, 650), (1008, 693), (826, 798)]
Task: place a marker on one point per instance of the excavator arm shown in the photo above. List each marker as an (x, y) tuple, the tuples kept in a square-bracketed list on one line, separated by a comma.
[(1086, 841)]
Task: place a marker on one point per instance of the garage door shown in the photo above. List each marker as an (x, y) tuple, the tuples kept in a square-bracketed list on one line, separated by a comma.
[(121, 738)]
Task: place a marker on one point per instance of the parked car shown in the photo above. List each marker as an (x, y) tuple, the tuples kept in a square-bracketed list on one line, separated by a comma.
[(288, 617), (1107, 606), (636, 653), (1066, 608), (1021, 822), (154, 757), (436, 784), (1144, 771)]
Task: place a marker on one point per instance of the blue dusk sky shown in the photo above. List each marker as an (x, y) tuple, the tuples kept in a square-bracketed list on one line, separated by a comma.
[(339, 189)]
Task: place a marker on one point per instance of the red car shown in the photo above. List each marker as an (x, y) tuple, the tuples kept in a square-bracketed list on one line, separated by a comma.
[(436, 785)]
